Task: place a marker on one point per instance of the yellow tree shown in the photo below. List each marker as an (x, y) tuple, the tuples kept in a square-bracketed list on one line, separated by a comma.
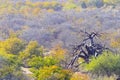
[(13, 45), (58, 52), (32, 49)]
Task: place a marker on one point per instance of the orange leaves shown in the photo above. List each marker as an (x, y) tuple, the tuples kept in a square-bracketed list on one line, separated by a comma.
[(79, 76)]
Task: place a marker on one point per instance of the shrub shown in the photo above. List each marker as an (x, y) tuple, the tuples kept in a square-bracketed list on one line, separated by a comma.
[(105, 64), (10, 69), (69, 6), (33, 48), (113, 77), (32, 55), (79, 76), (53, 73), (13, 45), (58, 52), (39, 62)]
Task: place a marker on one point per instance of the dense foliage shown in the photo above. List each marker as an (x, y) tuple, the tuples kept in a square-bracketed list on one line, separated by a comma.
[(36, 37), (106, 64)]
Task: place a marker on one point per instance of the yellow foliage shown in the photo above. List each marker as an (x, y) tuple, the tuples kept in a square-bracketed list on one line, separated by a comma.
[(29, 3), (79, 76), (13, 34), (64, 73), (12, 45), (46, 4), (4, 54), (80, 60), (54, 3), (109, 1), (78, 9), (23, 56), (32, 49), (53, 73), (115, 43), (58, 52), (50, 10), (32, 45), (36, 11), (37, 4), (25, 10), (47, 72)]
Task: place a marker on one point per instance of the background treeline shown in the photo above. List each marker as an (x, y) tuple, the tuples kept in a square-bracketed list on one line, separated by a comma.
[(35, 6), (49, 27)]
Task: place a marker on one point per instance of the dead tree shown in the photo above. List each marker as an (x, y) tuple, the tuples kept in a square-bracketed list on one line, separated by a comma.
[(86, 50)]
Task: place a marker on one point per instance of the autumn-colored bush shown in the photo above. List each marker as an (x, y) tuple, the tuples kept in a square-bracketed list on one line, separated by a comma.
[(40, 62), (58, 52), (12, 45), (33, 48), (69, 6), (79, 76), (115, 43), (53, 73)]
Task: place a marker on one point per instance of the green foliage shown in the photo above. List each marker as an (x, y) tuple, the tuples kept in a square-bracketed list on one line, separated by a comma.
[(69, 6), (48, 61), (53, 73), (5, 55), (9, 68), (31, 50), (12, 45), (47, 67), (39, 62), (58, 52), (36, 62), (105, 64)]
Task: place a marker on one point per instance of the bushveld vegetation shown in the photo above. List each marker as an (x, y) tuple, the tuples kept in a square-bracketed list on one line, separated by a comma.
[(38, 39)]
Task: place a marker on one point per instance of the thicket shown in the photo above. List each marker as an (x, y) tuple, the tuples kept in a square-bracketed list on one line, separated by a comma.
[(50, 65), (105, 64)]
